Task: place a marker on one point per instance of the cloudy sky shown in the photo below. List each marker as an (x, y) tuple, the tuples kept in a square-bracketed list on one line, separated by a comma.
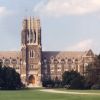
[(66, 24)]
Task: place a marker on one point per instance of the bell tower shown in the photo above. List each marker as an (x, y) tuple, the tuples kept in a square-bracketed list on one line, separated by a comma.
[(31, 51)]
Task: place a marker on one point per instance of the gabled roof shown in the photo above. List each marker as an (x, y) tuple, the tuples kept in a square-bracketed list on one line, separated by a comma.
[(89, 53), (65, 54), (9, 54)]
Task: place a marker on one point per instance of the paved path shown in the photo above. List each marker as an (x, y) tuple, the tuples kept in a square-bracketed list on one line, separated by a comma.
[(66, 92)]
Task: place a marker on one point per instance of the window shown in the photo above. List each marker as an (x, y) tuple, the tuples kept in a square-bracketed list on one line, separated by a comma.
[(34, 36), (28, 37), (7, 61), (14, 61), (31, 54), (31, 67), (31, 36)]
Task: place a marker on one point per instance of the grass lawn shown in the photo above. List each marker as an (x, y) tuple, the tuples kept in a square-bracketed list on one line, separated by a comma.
[(81, 91), (35, 94)]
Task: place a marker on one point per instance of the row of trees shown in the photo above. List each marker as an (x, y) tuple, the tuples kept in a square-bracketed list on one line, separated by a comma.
[(70, 80)]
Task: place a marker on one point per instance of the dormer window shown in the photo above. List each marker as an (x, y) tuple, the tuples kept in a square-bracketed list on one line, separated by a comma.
[(52, 58), (14, 61), (45, 60)]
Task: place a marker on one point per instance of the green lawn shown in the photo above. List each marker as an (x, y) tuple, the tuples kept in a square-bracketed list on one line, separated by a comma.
[(35, 94), (81, 91)]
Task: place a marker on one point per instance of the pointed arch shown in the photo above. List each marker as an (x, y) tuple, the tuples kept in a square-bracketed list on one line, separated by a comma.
[(34, 36), (31, 36), (39, 36), (31, 79), (27, 37)]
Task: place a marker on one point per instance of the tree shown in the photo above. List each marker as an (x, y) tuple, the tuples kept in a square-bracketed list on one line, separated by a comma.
[(48, 83), (9, 79), (77, 83), (73, 80), (98, 57)]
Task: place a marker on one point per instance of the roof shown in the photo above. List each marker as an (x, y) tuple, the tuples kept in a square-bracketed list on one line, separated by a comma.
[(65, 54), (9, 54)]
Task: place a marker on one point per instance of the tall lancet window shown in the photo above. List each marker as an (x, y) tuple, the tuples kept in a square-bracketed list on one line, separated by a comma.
[(34, 36), (31, 36), (39, 36), (28, 37), (31, 54)]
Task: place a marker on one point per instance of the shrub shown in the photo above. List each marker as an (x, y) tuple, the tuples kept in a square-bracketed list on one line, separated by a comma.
[(96, 87), (73, 80)]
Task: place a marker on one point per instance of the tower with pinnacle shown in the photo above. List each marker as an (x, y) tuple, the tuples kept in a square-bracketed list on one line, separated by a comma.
[(31, 49)]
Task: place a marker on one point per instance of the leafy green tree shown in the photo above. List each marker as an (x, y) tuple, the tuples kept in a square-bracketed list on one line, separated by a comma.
[(77, 83), (73, 80), (9, 79)]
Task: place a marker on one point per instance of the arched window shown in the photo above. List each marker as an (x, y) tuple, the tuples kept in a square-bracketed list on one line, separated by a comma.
[(34, 36), (45, 60), (7, 62), (14, 61), (31, 54), (28, 37), (31, 36), (62, 61)]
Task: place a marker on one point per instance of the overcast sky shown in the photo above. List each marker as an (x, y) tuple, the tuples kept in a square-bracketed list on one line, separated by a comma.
[(66, 24)]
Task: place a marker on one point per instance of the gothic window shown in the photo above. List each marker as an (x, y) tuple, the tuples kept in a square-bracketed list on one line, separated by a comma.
[(23, 37), (45, 60), (31, 36), (7, 62), (62, 61), (34, 36), (14, 61), (76, 61), (31, 54), (28, 37), (69, 61), (51, 59), (59, 60), (39, 36)]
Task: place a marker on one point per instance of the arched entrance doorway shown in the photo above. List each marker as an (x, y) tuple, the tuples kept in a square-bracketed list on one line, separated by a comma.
[(31, 79)]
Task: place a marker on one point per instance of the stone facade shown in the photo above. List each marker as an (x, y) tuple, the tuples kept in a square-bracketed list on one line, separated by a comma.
[(34, 65), (54, 64)]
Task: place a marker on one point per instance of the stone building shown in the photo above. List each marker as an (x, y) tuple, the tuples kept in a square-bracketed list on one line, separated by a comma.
[(34, 65)]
